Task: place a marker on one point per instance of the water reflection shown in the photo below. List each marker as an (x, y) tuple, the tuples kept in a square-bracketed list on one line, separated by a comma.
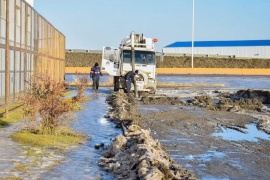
[(252, 134), (248, 82)]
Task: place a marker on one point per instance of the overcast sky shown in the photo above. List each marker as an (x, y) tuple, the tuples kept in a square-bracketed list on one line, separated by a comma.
[(92, 24)]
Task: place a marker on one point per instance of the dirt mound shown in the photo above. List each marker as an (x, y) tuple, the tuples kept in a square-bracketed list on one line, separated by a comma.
[(226, 104), (202, 101), (84, 59), (136, 155), (211, 62), (242, 100), (263, 96)]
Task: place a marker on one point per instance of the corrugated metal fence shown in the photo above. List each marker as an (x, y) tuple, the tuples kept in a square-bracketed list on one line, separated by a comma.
[(29, 45)]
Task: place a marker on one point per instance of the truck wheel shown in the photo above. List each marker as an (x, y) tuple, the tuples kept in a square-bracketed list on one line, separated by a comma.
[(116, 83)]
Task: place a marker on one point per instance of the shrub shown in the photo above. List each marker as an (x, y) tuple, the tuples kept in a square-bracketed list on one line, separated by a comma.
[(81, 83), (45, 99)]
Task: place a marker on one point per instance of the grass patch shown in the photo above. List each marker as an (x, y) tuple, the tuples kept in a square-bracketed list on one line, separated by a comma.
[(11, 107), (11, 178), (62, 140), (13, 117), (21, 167)]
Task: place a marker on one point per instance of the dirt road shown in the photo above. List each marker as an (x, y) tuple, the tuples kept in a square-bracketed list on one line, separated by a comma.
[(213, 134), (189, 132)]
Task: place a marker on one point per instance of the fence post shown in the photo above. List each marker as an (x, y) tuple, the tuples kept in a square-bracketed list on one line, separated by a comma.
[(14, 52), (7, 63), (25, 46)]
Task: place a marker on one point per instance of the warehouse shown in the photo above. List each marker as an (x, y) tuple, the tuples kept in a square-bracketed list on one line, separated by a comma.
[(235, 48)]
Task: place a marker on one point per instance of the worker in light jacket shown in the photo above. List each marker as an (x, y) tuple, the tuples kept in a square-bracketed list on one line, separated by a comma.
[(95, 74), (130, 79)]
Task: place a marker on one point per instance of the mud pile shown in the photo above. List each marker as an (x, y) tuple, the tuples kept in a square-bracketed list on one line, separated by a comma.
[(135, 155), (263, 96), (85, 59), (165, 100), (241, 100), (263, 125)]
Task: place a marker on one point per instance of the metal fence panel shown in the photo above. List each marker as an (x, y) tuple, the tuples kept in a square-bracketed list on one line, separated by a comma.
[(36, 48)]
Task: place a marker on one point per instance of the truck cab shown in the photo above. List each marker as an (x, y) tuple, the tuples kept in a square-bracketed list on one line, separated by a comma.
[(136, 52)]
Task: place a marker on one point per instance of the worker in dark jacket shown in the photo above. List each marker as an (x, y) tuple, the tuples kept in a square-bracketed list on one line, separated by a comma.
[(130, 79), (95, 74)]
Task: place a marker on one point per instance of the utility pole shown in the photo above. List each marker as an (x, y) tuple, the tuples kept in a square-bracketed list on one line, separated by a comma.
[(133, 61)]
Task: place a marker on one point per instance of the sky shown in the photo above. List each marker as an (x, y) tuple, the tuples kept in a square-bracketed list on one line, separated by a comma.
[(92, 24)]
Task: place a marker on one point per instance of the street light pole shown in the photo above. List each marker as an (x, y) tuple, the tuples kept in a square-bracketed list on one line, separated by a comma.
[(192, 43)]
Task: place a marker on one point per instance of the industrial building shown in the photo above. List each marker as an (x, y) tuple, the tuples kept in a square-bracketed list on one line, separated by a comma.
[(234, 48)]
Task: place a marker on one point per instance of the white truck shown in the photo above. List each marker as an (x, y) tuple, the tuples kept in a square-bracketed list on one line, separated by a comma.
[(136, 52)]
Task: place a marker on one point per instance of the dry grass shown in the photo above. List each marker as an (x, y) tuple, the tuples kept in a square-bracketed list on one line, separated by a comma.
[(13, 117), (61, 140)]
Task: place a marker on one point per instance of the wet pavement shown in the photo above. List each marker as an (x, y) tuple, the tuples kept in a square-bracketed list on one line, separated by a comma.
[(192, 138)]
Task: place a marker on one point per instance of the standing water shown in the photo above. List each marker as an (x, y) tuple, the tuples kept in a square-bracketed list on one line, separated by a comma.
[(83, 162)]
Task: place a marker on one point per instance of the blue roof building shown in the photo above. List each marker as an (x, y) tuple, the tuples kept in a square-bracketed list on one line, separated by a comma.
[(233, 48)]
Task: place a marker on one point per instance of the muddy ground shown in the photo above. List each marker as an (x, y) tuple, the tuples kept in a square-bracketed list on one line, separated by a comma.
[(185, 129), (83, 59)]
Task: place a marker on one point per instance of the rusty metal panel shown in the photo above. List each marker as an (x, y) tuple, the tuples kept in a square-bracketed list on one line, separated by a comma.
[(2, 22), (22, 23), (2, 72), (11, 22)]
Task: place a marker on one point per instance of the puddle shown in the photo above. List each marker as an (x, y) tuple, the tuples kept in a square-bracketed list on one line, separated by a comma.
[(175, 140), (252, 134), (215, 101), (72, 77), (208, 156), (246, 82), (82, 163), (146, 109)]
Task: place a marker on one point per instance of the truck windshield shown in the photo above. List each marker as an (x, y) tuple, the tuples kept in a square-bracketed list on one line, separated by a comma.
[(141, 57)]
